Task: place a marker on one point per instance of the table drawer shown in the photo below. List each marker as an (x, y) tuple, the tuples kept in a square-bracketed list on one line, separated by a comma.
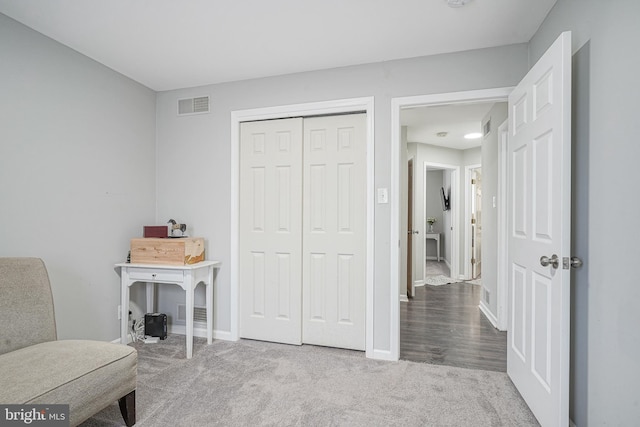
[(160, 275)]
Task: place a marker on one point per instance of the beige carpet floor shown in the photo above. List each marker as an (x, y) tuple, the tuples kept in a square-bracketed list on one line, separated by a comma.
[(252, 383)]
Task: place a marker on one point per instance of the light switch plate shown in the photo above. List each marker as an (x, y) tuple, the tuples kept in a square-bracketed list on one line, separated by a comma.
[(383, 195)]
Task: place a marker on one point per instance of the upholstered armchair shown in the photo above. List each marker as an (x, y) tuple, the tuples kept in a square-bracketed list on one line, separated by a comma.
[(36, 368)]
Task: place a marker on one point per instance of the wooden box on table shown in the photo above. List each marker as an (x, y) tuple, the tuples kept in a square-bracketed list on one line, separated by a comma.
[(167, 251)]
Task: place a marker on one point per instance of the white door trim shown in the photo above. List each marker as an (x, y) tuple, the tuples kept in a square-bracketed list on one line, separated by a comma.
[(365, 104), (482, 95), (502, 312), (466, 271)]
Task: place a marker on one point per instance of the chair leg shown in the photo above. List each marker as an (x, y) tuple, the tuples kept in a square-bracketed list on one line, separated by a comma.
[(128, 408)]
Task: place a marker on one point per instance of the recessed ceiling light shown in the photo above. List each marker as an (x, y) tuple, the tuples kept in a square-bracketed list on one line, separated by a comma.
[(473, 135)]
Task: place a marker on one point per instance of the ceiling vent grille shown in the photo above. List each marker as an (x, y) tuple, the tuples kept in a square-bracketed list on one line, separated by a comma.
[(188, 106)]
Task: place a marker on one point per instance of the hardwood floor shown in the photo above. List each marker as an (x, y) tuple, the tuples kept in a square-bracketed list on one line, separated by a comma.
[(443, 325)]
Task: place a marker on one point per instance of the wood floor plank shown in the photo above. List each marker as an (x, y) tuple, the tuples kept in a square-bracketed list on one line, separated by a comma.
[(443, 325)]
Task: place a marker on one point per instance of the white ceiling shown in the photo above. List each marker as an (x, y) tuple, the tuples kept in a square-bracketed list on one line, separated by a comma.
[(423, 123), (170, 44)]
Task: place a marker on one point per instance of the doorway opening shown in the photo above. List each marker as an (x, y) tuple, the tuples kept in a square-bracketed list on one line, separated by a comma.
[(448, 242)]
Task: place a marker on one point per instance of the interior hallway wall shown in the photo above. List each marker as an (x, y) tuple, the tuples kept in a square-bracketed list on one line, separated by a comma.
[(496, 116), (77, 168)]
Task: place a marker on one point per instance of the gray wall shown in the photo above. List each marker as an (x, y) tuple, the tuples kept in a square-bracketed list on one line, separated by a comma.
[(196, 190), (77, 172), (496, 115), (605, 321)]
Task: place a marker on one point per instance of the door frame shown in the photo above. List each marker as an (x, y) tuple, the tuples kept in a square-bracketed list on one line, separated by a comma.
[(481, 95), (468, 194), (340, 106), (502, 237), (454, 265)]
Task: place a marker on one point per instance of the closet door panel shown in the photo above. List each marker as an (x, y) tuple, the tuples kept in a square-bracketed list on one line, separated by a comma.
[(270, 238), (334, 231)]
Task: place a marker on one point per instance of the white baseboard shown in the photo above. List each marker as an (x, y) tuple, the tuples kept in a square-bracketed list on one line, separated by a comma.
[(199, 331), (403, 298), (431, 258), (447, 263), (488, 314), (571, 423), (418, 283), (382, 355)]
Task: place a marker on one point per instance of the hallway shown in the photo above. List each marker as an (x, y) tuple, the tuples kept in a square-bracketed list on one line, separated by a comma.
[(443, 325)]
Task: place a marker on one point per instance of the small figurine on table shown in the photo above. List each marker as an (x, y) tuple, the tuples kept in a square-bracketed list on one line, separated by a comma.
[(177, 230)]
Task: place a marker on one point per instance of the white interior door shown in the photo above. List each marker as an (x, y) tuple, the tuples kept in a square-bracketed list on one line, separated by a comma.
[(476, 227), (334, 231), (539, 163), (270, 238)]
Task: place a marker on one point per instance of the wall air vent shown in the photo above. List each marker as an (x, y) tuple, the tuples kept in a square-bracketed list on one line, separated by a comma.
[(188, 106), (199, 314), (486, 129)]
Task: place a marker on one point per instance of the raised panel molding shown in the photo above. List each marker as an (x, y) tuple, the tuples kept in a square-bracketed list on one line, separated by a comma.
[(345, 197), (543, 94), (519, 192), (518, 300), (284, 198), (541, 330), (258, 199), (317, 197), (257, 270), (345, 283), (317, 278), (542, 187), (283, 262)]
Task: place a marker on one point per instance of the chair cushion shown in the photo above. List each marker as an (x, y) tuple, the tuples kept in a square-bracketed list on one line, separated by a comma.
[(89, 375)]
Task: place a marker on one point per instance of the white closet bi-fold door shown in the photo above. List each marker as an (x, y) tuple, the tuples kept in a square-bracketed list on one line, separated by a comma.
[(303, 230)]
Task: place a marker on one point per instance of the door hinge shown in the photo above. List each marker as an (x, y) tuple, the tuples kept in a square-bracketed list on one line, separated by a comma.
[(473, 181), (473, 260), (473, 220)]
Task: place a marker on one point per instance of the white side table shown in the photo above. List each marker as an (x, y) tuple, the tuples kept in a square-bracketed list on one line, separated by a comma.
[(436, 237), (185, 276)]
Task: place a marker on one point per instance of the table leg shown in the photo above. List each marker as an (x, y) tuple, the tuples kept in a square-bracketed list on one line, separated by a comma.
[(151, 292), (189, 307), (124, 312), (209, 305)]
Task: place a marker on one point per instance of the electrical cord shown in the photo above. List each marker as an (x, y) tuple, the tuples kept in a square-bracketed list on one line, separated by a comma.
[(137, 330)]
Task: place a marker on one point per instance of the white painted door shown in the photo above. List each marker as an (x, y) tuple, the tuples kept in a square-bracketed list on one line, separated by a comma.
[(270, 238), (334, 231), (539, 163), (476, 226)]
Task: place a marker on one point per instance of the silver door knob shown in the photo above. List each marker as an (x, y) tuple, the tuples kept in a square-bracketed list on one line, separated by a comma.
[(412, 232), (554, 261)]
